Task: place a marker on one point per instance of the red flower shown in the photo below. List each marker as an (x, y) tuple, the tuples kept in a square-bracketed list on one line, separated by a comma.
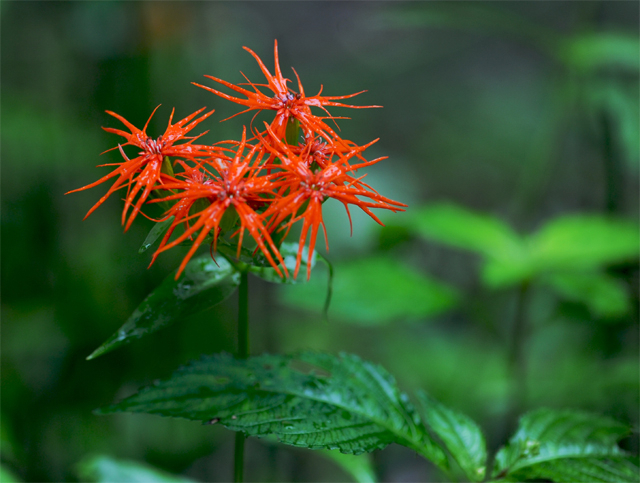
[(237, 185), (312, 188), (144, 170), (286, 102)]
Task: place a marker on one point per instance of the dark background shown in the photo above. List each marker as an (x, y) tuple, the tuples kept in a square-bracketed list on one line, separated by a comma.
[(483, 106)]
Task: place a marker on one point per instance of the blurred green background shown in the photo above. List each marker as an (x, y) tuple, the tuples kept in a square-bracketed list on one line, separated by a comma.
[(525, 111)]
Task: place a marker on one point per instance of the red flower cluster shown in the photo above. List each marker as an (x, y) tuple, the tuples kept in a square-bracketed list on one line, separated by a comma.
[(263, 185)]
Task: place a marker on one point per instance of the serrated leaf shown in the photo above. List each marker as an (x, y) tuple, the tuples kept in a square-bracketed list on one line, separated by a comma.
[(311, 400), (360, 467), (460, 434), (204, 283), (461, 228), (376, 291), (566, 445), (155, 233), (602, 294), (289, 252), (104, 469)]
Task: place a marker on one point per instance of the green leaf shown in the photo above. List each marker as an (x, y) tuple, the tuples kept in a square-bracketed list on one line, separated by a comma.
[(7, 476), (460, 434), (602, 49), (155, 233), (104, 469), (576, 242), (289, 252), (204, 283), (603, 295), (585, 241), (360, 467), (461, 228), (311, 400), (376, 291), (563, 445)]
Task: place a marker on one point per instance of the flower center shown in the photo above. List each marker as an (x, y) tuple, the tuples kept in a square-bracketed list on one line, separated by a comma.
[(154, 146), (288, 100)]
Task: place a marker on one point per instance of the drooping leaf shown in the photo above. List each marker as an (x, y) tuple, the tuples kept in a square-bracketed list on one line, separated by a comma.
[(204, 283), (311, 400), (375, 291), (461, 228), (603, 295), (460, 434), (563, 445), (155, 233), (104, 469), (289, 252), (360, 467)]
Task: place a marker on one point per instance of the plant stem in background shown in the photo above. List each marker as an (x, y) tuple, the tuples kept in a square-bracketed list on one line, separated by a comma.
[(243, 353), (613, 175), (517, 361)]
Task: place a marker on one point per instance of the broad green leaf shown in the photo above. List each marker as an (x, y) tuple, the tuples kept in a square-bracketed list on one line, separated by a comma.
[(584, 241), (289, 252), (576, 242), (204, 283), (564, 445), (603, 295), (311, 400), (360, 467), (155, 233), (104, 469), (461, 228), (460, 434), (375, 291), (602, 49)]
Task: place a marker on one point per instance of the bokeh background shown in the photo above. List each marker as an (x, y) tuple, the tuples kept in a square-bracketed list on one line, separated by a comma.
[(523, 110)]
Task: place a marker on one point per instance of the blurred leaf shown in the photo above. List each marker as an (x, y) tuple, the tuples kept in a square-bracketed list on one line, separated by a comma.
[(7, 476), (311, 400), (289, 252), (360, 467), (461, 228), (595, 50), (157, 230), (460, 434), (620, 100), (376, 291), (562, 445), (584, 241), (603, 295), (104, 469), (204, 283), (575, 242)]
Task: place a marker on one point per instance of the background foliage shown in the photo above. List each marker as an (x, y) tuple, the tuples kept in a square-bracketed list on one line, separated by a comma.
[(510, 115)]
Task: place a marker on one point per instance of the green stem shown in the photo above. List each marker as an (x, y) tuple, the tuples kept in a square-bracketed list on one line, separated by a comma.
[(243, 353), (517, 360), (243, 317), (238, 458)]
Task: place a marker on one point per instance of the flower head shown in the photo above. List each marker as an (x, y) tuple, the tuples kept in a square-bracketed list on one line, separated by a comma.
[(286, 102), (237, 185), (308, 189), (142, 173)]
